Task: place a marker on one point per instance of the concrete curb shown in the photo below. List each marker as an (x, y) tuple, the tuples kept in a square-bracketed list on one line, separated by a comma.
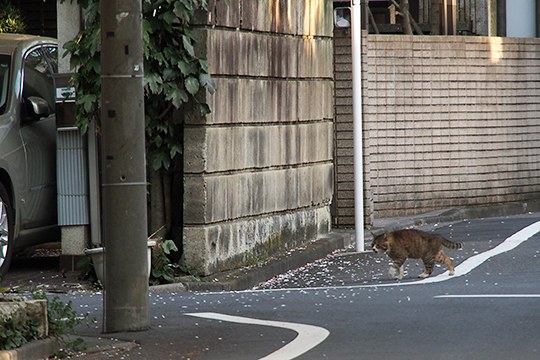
[(96, 345), (247, 278), (43, 349), (38, 349)]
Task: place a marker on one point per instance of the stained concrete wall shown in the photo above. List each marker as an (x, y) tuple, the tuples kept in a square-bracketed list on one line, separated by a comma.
[(449, 122), (259, 168)]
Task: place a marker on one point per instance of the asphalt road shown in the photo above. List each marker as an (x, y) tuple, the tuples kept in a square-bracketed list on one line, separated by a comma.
[(343, 307)]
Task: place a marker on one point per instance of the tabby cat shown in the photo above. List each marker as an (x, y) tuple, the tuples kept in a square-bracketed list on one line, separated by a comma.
[(415, 244)]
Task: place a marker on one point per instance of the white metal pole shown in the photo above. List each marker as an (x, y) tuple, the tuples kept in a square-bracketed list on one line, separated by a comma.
[(356, 31)]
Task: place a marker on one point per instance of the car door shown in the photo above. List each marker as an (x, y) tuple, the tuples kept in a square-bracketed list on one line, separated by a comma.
[(38, 205)]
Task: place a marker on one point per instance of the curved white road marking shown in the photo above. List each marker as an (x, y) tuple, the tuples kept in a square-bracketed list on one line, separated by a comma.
[(474, 261), (464, 268), (308, 337)]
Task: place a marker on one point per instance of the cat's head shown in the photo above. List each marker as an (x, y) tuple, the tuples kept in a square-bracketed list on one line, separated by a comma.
[(380, 243)]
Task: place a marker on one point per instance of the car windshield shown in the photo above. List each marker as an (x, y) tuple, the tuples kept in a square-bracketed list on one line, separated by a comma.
[(4, 81)]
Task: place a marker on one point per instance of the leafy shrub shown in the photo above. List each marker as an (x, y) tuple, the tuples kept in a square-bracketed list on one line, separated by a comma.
[(162, 269), (11, 18), (174, 74), (62, 319), (17, 331)]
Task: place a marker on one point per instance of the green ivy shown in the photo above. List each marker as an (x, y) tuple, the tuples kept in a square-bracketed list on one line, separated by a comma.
[(162, 268), (85, 58), (14, 333), (61, 318), (174, 74), (11, 18)]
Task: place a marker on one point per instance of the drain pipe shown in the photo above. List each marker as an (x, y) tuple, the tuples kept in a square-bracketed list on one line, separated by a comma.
[(356, 31)]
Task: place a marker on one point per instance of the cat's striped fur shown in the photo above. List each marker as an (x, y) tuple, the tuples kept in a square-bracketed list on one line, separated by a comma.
[(415, 244)]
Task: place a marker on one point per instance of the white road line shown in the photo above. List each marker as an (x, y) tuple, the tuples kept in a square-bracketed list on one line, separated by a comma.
[(462, 269), (509, 244), (308, 336), (474, 261), (492, 296)]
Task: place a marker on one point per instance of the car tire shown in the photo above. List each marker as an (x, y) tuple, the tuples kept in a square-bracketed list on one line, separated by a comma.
[(6, 230)]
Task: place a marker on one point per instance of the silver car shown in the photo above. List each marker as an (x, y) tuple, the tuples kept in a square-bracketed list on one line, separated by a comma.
[(28, 212)]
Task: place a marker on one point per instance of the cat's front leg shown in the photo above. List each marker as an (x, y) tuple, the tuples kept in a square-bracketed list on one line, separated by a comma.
[(396, 271)]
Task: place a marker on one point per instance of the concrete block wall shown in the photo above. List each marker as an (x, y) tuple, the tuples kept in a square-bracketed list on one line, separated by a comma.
[(259, 168), (451, 121)]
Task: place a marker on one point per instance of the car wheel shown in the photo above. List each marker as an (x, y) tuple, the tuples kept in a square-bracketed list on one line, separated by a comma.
[(6, 230)]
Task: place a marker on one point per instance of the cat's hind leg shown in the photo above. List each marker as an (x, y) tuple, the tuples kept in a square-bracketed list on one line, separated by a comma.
[(443, 259)]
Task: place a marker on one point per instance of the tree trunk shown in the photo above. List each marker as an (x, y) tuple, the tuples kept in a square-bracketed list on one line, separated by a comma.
[(405, 18), (165, 207), (435, 17), (159, 204)]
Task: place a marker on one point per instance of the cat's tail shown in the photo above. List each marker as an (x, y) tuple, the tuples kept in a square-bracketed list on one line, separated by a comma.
[(451, 245)]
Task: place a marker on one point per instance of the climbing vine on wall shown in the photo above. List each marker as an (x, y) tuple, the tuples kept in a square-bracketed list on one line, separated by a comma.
[(174, 74)]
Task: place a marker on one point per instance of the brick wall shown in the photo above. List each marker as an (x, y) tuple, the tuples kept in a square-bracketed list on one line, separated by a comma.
[(258, 169), (449, 121)]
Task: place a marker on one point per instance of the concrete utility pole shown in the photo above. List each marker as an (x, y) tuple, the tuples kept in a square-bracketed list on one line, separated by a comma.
[(123, 167), (358, 143)]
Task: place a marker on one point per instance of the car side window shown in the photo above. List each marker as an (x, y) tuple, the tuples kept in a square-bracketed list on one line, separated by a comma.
[(52, 55), (4, 81), (38, 79)]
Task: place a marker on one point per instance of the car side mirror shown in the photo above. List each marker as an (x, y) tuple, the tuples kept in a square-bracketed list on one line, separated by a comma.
[(37, 107)]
